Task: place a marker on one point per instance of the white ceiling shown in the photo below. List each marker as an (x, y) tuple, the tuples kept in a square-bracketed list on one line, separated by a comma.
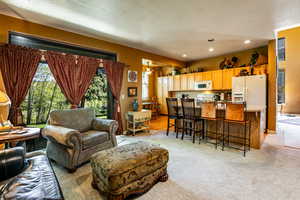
[(165, 27)]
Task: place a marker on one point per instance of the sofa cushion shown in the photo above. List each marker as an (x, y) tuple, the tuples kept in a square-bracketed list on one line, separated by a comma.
[(78, 119), (92, 138), (125, 164)]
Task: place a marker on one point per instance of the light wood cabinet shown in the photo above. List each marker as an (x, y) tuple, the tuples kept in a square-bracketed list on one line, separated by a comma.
[(176, 83), (183, 82), (206, 76), (198, 76), (217, 80), (170, 83), (227, 75), (190, 81)]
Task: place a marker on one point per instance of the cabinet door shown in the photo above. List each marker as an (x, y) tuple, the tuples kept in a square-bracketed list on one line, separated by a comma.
[(198, 76), (217, 80), (190, 81), (183, 82), (206, 76), (159, 90), (170, 83), (176, 83), (227, 78), (165, 94)]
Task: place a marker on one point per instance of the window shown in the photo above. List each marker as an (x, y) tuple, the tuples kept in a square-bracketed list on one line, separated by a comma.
[(281, 86), (145, 85), (45, 95), (281, 49)]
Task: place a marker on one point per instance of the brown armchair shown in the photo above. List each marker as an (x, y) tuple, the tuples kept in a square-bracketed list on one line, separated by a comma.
[(75, 135)]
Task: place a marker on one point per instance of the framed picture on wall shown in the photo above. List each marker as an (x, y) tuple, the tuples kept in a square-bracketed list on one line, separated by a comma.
[(132, 76), (132, 91)]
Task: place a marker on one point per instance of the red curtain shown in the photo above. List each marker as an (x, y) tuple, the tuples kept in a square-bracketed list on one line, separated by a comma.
[(18, 66), (72, 73), (114, 72)]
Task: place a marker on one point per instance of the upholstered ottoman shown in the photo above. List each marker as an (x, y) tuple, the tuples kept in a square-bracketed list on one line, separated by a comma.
[(129, 169)]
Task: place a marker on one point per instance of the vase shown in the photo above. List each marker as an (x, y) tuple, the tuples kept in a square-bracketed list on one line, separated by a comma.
[(135, 105)]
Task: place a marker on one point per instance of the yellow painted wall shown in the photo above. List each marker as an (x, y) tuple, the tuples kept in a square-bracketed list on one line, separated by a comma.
[(272, 71), (130, 56), (292, 69), (213, 62)]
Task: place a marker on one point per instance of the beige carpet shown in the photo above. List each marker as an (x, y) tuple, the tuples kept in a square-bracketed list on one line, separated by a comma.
[(201, 172)]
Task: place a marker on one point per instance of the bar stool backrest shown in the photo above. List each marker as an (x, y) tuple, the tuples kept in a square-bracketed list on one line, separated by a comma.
[(235, 111), (209, 110), (188, 108), (172, 105)]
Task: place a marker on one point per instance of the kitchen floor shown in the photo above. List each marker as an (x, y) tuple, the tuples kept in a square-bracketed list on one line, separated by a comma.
[(288, 130)]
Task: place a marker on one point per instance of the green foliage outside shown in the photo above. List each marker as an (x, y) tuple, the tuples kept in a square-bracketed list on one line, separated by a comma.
[(45, 95)]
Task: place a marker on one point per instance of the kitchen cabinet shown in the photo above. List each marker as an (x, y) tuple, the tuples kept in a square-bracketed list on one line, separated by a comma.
[(183, 82), (176, 83), (170, 83), (227, 75), (190, 81), (207, 76), (198, 76), (217, 80)]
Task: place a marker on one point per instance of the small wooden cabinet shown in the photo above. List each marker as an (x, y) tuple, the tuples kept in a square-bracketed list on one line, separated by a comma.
[(183, 82), (198, 76), (190, 81), (170, 83), (206, 76), (138, 121)]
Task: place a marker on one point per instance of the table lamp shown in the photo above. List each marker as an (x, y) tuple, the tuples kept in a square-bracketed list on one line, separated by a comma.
[(4, 107)]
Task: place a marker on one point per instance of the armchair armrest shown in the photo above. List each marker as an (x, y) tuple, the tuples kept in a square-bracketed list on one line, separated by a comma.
[(62, 135), (111, 126)]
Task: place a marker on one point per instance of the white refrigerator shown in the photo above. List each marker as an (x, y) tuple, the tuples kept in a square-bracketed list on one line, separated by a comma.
[(250, 89)]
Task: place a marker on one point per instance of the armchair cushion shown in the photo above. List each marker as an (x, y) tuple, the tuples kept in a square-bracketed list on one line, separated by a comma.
[(60, 134), (79, 119), (104, 124), (92, 138)]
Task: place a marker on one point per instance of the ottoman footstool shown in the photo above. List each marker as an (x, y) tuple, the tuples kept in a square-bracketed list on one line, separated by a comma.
[(129, 169)]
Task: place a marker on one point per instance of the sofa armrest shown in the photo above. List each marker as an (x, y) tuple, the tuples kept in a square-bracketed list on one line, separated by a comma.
[(109, 125), (12, 162), (62, 135)]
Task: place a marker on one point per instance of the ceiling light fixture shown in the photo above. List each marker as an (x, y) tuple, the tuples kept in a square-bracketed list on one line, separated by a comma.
[(247, 41), (184, 55), (211, 49)]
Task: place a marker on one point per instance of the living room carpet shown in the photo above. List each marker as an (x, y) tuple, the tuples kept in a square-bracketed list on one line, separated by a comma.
[(201, 172)]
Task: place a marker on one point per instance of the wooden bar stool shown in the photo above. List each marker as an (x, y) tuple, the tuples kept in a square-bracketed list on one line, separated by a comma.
[(209, 113), (235, 114), (173, 113), (190, 119)]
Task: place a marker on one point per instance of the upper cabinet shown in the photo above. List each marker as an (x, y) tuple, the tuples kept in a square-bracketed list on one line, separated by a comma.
[(221, 79), (217, 80), (176, 83)]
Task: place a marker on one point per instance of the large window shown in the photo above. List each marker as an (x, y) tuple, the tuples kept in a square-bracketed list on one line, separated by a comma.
[(45, 95), (281, 86), (145, 85), (281, 49)]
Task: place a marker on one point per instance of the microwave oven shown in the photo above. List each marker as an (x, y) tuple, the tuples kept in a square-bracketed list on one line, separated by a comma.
[(203, 85)]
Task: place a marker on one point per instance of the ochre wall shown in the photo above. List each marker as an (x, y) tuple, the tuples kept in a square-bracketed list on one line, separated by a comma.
[(292, 69), (272, 94), (213, 62), (130, 56)]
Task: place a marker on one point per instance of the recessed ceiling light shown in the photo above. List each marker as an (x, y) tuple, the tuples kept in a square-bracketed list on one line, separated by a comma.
[(247, 41), (184, 55), (211, 49)]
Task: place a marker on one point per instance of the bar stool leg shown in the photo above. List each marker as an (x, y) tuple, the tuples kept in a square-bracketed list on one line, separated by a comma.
[(216, 134), (176, 127), (223, 136), (168, 126), (183, 130), (245, 139)]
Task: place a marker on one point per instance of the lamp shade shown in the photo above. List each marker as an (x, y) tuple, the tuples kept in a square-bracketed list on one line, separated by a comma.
[(4, 106)]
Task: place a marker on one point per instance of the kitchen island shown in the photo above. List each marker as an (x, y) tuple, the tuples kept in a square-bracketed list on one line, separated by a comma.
[(256, 117)]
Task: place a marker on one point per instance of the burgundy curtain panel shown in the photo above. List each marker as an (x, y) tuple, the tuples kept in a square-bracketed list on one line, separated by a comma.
[(72, 73), (18, 66), (114, 72)]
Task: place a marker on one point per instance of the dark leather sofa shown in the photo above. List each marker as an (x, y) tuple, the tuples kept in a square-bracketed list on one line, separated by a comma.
[(27, 176)]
